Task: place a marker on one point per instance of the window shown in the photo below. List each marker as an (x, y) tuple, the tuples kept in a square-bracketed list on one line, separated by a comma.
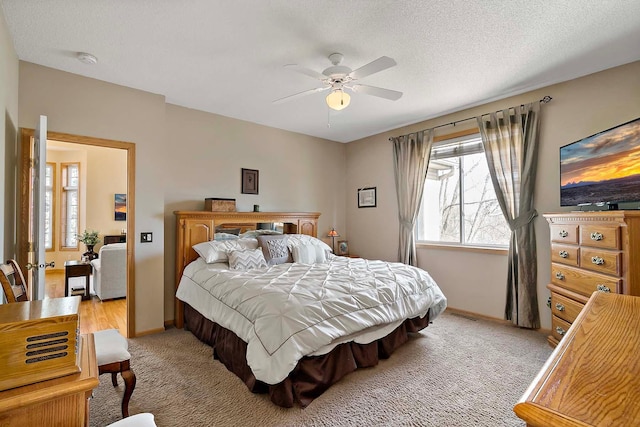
[(70, 209), (49, 197), (459, 204)]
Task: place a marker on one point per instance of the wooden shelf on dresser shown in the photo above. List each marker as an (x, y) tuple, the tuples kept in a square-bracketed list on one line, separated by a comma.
[(590, 251)]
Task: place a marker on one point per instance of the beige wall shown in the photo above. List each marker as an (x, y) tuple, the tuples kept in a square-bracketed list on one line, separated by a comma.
[(104, 170), (206, 152), (8, 139), (83, 106), (477, 281), (182, 157)]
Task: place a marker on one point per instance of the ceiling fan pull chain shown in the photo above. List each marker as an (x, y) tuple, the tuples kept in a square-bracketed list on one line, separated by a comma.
[(328, 117)]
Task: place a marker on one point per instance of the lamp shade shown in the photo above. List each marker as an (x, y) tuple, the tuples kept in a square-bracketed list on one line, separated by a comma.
[(338, 99), (333, 233)]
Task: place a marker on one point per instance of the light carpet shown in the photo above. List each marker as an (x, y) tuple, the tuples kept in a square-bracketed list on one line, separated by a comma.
[(457, 372)]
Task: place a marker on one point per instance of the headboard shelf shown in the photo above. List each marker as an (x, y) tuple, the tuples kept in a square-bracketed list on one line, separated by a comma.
[(193, 227)]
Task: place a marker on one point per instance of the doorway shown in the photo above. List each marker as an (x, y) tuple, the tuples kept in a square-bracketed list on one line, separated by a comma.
[(26, 136)]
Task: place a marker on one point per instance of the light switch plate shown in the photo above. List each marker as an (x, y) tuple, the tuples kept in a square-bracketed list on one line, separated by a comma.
[(146, 237)]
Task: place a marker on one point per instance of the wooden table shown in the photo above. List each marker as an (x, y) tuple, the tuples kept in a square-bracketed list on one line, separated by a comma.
[(593, 377), (77, 269), (62, 401)]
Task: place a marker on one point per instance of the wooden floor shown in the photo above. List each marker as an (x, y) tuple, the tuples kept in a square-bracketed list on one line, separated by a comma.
[(95, 314)]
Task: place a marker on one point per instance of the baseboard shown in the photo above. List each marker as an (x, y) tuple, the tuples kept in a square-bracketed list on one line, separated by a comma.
[(168, 323), (472, 315), (149, 332)]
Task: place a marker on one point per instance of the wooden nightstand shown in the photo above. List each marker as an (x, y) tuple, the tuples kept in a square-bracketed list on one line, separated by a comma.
[(77, 269)]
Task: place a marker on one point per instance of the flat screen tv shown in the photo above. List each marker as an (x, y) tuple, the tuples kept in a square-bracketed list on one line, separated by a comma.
[(603, 168)]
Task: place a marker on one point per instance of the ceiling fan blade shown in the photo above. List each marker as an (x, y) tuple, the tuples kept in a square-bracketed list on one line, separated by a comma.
[(392, 95), (301, 94), (379, 64), (306, 71)]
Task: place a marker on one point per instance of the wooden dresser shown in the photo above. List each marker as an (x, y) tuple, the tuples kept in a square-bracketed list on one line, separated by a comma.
[(592, 378), (60, 401), (590, 251)]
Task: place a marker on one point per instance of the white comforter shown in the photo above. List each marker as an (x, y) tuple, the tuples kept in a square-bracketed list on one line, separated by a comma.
[(289, 311)]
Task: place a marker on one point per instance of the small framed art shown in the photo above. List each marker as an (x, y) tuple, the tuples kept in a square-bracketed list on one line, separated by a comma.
[(367, 197), (249, 181), (343, 247), (120, 207)]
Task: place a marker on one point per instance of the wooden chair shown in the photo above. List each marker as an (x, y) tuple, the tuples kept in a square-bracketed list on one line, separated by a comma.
[(13, 283)]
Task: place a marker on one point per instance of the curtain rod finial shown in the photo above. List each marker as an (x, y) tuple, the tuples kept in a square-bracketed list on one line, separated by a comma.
[(547, 99)]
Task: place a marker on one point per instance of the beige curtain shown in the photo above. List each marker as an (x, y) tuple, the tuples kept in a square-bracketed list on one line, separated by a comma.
[(510, 140), (410, 160)]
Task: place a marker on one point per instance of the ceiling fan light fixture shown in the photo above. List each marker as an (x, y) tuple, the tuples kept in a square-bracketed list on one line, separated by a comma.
[(338, 99)]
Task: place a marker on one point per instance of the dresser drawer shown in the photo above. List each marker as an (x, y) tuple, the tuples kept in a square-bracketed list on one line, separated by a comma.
[(600, 236), (559, 327), (564, 233), (607, 262), (581, 281), (565, 308), (565, 254)]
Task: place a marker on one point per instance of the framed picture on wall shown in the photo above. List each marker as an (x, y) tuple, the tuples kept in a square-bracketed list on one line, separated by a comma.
[(120, 209), (367, 197), (249, 181)]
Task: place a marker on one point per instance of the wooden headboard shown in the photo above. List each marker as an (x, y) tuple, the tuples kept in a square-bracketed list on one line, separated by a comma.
[(193, 227)]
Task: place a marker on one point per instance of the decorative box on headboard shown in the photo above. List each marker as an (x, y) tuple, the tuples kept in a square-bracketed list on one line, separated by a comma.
[(219, 205), (38, 341)]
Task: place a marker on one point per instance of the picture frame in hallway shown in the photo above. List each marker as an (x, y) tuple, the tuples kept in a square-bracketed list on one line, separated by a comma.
[(120, 207)]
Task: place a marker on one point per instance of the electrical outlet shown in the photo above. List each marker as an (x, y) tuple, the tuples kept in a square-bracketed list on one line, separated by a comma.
[(146, 237)]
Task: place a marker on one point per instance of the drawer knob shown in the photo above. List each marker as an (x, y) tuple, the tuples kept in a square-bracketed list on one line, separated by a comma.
[(596, 236), (597, 260), (559, 275), (563, 254), (559, 307), (560, 331), (563, 233), (603, 288)]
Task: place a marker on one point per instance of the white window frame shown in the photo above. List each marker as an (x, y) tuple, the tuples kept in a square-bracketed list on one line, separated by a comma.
[(458, 146), (50, 207), (68, 233)]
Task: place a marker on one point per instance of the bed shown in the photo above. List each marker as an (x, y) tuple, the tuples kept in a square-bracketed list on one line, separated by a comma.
[(291, 329)]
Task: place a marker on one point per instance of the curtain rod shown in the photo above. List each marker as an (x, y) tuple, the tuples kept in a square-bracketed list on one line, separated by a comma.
[(545, 100)]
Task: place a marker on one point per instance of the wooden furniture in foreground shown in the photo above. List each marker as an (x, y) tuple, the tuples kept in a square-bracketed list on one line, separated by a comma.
[(119, 238), (77, 269), (61, 401), (13, 283), (590, 251), (193, 227), (593, 376), (38, 341)]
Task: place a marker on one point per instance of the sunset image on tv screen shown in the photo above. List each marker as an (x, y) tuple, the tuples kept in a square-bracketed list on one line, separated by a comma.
[(602, 168)]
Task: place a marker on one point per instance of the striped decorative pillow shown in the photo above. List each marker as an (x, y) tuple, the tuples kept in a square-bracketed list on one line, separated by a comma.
[(247, 259)]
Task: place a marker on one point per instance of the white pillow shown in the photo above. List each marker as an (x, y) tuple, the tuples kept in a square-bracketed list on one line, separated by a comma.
[(256, 233), (309, 254), (216, 251), (303, 239), (225, 236), (246, 259)]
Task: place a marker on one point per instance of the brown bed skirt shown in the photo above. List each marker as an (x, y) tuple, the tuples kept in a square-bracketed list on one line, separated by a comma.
[(313, 374)]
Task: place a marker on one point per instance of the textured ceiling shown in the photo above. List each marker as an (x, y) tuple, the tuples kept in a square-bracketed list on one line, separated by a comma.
[(227, 57)]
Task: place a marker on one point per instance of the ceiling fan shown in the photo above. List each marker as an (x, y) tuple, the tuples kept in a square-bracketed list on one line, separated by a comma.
[(338, 77)]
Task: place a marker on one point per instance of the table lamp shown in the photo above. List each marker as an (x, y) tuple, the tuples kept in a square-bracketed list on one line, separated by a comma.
[(333, 234)]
